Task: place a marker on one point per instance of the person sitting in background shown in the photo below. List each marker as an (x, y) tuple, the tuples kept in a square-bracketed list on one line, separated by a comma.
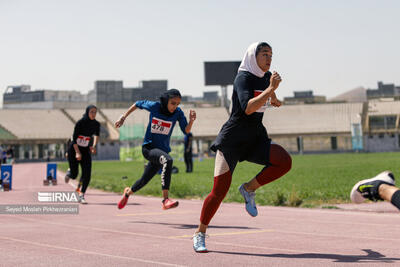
[(1, 157), (4, 156), (10, 155)]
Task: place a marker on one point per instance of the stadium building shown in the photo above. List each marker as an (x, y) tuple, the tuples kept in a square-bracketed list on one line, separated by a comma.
[(21, 97), (106, 94), (383, 91), (40, 134), (112, 94), (318, 128), (304, 97)]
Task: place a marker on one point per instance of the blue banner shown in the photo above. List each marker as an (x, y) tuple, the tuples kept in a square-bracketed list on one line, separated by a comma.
[(356, 136), (6, 175), (52, 171)]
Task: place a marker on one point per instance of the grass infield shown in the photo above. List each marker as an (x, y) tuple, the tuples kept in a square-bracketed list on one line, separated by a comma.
[(314, 180)]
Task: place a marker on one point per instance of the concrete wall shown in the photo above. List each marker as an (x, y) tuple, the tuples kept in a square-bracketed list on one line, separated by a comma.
[(381, 142), (314, 143), (107, 151), (46, 105), (35, 152), (289, 143)]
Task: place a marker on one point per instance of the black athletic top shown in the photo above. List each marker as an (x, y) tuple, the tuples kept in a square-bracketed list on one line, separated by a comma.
[(84, 129), (241, 131)]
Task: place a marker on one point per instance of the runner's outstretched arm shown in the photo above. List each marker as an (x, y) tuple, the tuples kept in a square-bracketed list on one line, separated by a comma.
[(121, 119), (192, 118), (257, 102)]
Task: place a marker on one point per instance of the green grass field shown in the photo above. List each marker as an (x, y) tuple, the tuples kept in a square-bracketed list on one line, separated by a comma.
[(314, 180)]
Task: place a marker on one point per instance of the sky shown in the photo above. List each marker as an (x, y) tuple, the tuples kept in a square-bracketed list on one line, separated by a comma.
[(329, 47)]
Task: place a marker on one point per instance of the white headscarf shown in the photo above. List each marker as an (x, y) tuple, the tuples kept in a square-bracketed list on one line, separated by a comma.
[(249, 62)]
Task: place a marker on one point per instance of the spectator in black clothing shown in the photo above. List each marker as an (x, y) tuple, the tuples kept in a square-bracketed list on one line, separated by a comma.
[(68, 145), (10, 155), (188, 156), (81, 147), (1, 156)]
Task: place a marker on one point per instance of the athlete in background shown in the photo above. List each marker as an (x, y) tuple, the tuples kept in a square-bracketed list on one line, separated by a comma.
[(83, 144), (163, 117)]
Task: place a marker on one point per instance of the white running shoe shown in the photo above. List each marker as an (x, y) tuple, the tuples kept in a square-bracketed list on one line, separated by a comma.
[(82, 199), (368, 188), (249, 198), (199, 242), (67, 176)]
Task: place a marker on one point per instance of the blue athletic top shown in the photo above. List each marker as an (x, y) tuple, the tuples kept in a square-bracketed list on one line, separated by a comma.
[(160, 127)]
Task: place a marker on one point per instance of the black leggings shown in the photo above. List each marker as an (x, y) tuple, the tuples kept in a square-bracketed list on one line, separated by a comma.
[(86, 166), (189, 161), (157, 159)]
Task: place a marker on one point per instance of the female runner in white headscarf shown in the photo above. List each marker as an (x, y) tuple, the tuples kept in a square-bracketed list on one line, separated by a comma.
[(244, 137)]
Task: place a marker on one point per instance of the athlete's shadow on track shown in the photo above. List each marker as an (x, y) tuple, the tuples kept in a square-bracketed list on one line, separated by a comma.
[(194, 226), (372, 256), (112, 204), (102, 194)]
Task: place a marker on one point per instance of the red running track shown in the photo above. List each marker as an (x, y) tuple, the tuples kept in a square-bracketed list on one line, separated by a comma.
[(142, 234)]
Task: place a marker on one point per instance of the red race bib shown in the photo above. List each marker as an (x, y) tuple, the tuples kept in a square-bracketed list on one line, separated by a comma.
[(266, 104), (159, 126), (83, 141)]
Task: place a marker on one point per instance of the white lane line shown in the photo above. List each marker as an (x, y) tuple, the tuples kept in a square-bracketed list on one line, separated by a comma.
[(86, 251), (345, 213), (174, 237), (221, 243), (230, 233), (96, 229), (156, 213), (338, 236), (297, 220)]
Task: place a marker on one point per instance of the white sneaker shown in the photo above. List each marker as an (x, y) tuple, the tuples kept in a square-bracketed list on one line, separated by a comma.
[(82, 199), (199, 242), (249, 199), (67, 176), (369, 188)]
